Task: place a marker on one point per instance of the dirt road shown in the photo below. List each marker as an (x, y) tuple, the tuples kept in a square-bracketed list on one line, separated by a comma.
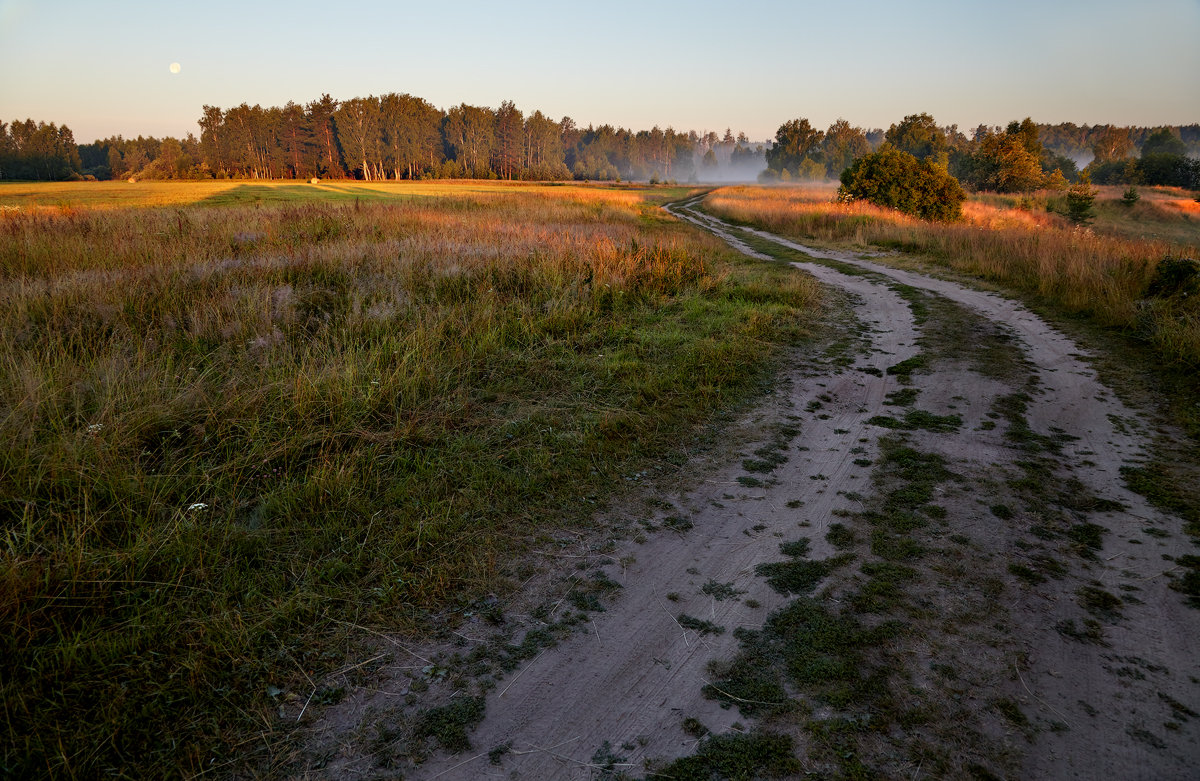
[(1035, 635)]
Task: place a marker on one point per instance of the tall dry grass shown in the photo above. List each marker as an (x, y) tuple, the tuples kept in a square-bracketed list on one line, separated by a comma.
[(1077, 270), (227, 427)]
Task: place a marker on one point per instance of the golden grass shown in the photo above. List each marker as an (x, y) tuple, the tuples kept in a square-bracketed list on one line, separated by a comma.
[(67, 196), (227, 423), (1101, 274)]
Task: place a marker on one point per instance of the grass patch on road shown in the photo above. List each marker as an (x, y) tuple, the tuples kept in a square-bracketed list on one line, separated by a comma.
[(919, 419)]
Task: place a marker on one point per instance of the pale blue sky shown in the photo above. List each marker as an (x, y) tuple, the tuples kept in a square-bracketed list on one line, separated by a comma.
[(102, 67)]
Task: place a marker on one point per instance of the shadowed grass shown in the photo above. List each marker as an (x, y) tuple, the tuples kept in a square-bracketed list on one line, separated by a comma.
[(229, 429)]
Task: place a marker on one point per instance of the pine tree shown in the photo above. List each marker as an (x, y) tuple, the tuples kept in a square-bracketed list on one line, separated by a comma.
[(1080, 198)]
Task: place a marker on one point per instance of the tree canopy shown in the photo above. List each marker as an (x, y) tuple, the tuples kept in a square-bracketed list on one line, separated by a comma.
[(37, 151), (898, 180), (843, 145), (795, 141), (919, 136), (400, 136), (1006, 162)]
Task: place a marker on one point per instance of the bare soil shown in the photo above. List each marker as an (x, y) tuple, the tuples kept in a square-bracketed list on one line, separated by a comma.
[(1044, 639)]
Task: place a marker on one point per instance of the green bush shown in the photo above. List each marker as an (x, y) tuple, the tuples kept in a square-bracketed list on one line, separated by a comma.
[(1080, 198), (898, 180)]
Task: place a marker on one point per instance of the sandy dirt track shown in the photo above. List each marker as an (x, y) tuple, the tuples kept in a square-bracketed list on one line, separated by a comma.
[(615, 694)]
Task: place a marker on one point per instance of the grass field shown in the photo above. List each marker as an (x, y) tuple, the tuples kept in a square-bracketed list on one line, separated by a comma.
[(36, 196), (238, 415), (1104, 273)]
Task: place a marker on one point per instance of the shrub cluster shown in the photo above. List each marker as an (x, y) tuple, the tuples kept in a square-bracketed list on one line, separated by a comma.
[(900, 181)]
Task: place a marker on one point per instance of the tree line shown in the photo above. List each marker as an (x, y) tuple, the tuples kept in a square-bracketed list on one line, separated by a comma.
[(400, 136), (1021, 157), (37, 151)]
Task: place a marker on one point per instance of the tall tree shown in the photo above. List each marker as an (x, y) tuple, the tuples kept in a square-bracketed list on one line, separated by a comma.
[(1027, 132), (795, 141), (470, 133), (295, 139), (1112, 143), (843, 145), (1164, 141), (327, 154), (510, 139), (544, 147), (360, 136), (1008, 164), (38, 150), (412, 134), (214, 142), (920, 136)]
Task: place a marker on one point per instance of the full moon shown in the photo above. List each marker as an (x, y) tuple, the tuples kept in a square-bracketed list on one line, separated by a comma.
[(174, 67)]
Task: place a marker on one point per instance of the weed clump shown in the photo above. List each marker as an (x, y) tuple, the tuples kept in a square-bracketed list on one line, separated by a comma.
[(1090, 632), (449, 723), (903, 371), (800, 576), (720, 591), (699, 625), (1156, 483), (840, 536), (1174, 277), (1098, 602), (919, 419), (737, 758), (1189, 582)]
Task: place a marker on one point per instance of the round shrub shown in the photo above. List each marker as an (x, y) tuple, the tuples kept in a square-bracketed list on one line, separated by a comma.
[(898, 180)]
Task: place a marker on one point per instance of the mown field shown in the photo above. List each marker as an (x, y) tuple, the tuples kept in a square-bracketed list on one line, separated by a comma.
[(239, 418)]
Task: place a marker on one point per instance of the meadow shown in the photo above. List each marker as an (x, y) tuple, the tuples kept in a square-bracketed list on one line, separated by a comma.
[(1121, 272), (241, 419)]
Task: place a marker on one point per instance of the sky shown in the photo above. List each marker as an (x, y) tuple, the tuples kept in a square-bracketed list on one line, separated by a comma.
[(104, 68)]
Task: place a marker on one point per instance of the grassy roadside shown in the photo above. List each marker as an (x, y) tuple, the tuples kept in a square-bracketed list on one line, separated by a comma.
[(1127, 299), (231, 427), (1113, 280), (898, 655)]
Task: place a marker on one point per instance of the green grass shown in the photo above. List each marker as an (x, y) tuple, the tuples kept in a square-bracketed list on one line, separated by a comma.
[(699, 625), (234, 429), (919, 419), (1155, 482), (905, 397), (720, 591), (799, 575), (735, 757), (821, 651), (904, 370), (1188, 581)]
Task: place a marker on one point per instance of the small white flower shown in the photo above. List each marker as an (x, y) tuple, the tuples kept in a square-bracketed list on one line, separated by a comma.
[(197, 506), (95, 428)]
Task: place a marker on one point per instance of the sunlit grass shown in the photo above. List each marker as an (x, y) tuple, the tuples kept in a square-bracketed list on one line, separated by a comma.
[(229, 428), (1102, 272), (66, 196)]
